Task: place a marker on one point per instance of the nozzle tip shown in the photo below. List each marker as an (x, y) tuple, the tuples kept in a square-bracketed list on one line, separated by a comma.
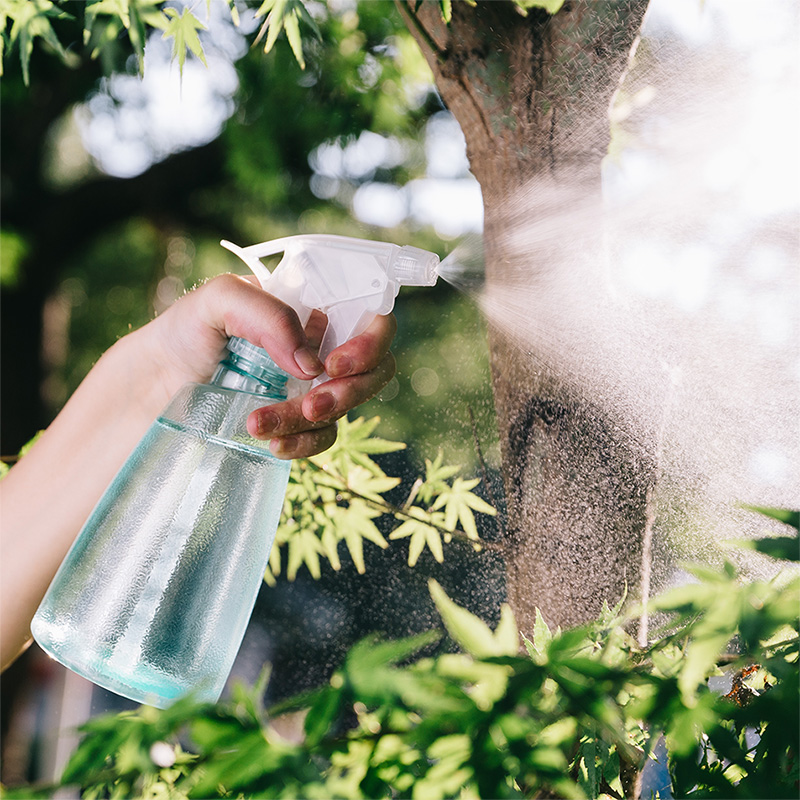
[(416, 267)]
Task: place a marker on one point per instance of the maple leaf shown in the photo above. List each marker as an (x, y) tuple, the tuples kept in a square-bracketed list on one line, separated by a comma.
[(424, 529), (459, 502), (304, 548), (285, 15), (436, 476), (182, 29), (355, 523), (30, 20), (354, 445), (367, 484)]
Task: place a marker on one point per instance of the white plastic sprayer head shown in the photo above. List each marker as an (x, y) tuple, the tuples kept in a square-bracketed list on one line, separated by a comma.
[(416, 267), (349, 280)]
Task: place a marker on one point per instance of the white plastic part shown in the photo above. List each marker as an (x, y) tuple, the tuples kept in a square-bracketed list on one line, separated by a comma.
[(350, 280)]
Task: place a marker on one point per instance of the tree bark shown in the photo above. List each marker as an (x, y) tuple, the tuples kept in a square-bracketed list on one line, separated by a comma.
[(531, 94)]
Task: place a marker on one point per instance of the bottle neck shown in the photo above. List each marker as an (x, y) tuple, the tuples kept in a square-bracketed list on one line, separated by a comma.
[(247, 368)]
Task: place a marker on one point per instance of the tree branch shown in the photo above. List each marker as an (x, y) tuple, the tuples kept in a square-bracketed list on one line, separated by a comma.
[(413, 22), (403, 512)]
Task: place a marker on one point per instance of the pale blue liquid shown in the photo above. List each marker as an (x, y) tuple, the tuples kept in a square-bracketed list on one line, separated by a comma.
[(154, 597)]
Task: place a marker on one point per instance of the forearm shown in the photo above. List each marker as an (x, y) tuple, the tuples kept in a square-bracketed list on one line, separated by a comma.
[(42, 508)]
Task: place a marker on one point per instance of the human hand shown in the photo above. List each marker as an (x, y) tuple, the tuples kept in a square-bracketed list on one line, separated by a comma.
[(188, 341)]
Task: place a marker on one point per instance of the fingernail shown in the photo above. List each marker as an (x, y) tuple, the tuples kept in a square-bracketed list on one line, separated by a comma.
[(307, 360), (340, 366), (267, 422), (284, 446), (323, 404)]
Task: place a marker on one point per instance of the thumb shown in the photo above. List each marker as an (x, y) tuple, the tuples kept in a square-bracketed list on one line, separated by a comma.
[(234, 306)]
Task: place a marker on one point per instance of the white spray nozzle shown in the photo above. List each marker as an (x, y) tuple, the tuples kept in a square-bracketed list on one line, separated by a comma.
[(416, 267), (350, 280)]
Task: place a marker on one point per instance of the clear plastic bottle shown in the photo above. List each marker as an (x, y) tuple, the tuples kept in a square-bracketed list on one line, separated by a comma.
[(153, 599)]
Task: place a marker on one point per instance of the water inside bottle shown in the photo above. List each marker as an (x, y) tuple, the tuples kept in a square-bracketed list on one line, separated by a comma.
[(155, 603)]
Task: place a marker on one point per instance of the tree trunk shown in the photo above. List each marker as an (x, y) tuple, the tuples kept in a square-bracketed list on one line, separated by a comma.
[(531, 94)]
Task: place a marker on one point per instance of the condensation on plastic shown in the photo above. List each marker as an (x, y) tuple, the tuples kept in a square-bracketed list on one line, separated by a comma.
[(154, 597)]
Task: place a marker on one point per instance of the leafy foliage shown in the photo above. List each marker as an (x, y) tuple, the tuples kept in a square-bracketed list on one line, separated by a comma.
[(105, 21), (27, 21), (340, 495), (577, 717), (285, 15), (182, 28)]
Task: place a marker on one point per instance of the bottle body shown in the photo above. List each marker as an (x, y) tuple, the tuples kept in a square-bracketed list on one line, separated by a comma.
[(154, 597)]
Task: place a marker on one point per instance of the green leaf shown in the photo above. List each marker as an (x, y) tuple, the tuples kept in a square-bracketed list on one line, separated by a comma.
[(436, 470), (274, 22), (550, 6), (423, 530), (369, 484), (304, 548), (30, 20), (91, 754), (182, 29), (111, 8), (471, 633), (459, 502), (781, 514), (285, 15), (537, 648), (133, 756), (783, 547), (234, 12), (355, 436), (506, 634), (370, 653), (357, 525), (14, 248), (370, 669), (408, 688), (135, 17), (321, 715), (329, 545), (292, 27)]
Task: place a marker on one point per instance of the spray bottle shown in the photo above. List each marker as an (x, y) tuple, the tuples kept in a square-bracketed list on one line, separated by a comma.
[(154, 597)]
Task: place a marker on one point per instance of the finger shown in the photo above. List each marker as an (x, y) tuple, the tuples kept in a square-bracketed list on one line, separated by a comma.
[(364, 352), (321, 406), (237, 307), (315, 328), (334, 398), (303, 445), (281, 419)]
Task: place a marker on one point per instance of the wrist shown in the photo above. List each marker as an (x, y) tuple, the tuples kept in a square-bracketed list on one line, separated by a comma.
[(135, 365)]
